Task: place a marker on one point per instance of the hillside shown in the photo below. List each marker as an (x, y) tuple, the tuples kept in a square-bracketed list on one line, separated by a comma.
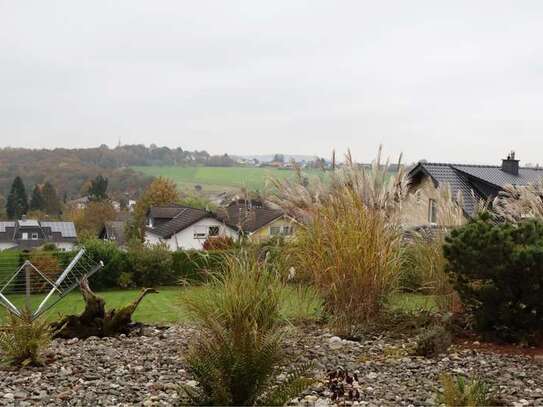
[(219, 179)]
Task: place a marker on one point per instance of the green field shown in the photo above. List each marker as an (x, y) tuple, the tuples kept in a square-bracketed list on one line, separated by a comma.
[(298, 303), (218, 179)]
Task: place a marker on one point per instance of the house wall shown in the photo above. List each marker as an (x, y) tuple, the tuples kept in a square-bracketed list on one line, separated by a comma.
[(184, 240), (264, 232), (415, 211), (65, 246)]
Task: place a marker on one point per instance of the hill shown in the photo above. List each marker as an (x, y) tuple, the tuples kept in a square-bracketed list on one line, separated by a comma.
[(219, 179)]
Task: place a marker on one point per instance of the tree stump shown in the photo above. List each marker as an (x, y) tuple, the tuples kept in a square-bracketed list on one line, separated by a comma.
[(95, 320)]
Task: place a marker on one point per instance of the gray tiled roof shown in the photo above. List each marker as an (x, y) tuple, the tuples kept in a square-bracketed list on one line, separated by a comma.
[(496, 176), (464, 178), (446, 174)]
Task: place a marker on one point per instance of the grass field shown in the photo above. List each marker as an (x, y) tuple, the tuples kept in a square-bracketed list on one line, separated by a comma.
[(299, 303), (165, 307), (218, 179)]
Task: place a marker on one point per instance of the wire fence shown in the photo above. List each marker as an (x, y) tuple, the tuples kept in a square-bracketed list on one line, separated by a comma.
[(39, 279)]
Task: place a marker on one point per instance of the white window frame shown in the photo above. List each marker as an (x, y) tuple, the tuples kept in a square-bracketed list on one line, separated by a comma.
[(24, 236), (275, 230), (213, 227), (35, 235)]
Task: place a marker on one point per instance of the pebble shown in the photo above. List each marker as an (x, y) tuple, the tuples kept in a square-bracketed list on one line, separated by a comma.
[(148, 370)]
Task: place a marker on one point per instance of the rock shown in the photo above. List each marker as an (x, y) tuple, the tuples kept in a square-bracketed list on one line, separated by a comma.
[(335, 343), (9, 396)]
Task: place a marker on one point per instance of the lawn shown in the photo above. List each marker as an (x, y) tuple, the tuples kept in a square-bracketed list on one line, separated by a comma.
[(217, 179), (165, 307), (299, 303)]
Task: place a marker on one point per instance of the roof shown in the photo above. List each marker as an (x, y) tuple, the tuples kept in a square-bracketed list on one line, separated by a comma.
[(181, 218), (250, 218), (51, 232), (66, 229), (115, 229), (475, 182)]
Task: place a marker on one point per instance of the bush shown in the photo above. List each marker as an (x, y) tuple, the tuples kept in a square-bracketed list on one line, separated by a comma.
[(354, 257), (151, 265), (458, 392), (424, 269), (497, 269), (22, 340), (241, 338), (218, 243), (194, 266), (116, 262), (433, 342)]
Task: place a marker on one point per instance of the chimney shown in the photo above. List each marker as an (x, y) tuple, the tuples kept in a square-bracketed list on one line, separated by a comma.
[(510, 164)]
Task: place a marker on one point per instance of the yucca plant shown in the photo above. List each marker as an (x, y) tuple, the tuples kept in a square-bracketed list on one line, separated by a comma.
[(457, 391), (22, 340), (240, 345)]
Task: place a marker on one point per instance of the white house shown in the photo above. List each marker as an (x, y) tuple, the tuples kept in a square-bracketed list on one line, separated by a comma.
[(182, 227)]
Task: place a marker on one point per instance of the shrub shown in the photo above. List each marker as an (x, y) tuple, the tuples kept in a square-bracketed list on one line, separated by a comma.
[(458, 392), (151, 265), (433, 341), (194, 266), (218, 243), (23, 340), (354, 257), (424, 269), (240, 345), (497, 269), (115, 263)]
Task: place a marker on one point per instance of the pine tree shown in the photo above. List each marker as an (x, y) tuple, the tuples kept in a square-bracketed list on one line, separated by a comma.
[(37, 202), (50, 198), (17, 203), (98, 189)]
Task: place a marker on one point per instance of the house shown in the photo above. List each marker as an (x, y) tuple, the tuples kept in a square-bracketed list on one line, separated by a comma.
[(472, 182), (257, 220), (79, 203), (28, 234), (115, 230), (183, 227)]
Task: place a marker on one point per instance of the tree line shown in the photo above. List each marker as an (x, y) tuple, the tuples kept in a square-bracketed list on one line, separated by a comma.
[(72, 169)]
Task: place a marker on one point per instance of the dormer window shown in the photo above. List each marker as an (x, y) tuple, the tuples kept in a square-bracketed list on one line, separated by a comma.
[(34, 236)]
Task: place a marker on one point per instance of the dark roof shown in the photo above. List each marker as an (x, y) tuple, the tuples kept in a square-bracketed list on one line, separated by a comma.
[(114, 230), (180, 217), (165, 211), (250, 218), (54, 232), (475, 182)]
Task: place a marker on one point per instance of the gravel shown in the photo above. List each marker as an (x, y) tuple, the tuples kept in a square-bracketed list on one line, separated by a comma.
[(147, 370)]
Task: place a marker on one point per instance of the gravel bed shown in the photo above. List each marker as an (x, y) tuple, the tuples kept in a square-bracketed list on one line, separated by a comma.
[(147, 370)]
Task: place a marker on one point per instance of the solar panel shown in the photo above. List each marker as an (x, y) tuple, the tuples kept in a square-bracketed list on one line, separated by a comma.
[(4, 225), (67, 229)]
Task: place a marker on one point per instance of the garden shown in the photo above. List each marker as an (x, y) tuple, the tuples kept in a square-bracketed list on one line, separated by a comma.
[(359, 309)]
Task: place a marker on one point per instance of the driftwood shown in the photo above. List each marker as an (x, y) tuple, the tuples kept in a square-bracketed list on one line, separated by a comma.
[(95, 321)]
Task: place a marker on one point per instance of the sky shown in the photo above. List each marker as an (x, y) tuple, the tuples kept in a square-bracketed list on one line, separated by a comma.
[(455, 81)]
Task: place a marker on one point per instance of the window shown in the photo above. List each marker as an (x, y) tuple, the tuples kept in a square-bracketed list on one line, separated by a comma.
[(34, 236), (213, 231), (432, 211), (24, 236), (275, 230), (200, 232), (286, 230)]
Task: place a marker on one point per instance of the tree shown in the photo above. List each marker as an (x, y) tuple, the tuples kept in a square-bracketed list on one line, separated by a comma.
[(90, 220), (37, 203), (278, 158), (162, 191), (51, 201), (98, 189), (17, 202)]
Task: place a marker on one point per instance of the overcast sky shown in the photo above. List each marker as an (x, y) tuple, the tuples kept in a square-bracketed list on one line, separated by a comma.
[(458, 81)]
